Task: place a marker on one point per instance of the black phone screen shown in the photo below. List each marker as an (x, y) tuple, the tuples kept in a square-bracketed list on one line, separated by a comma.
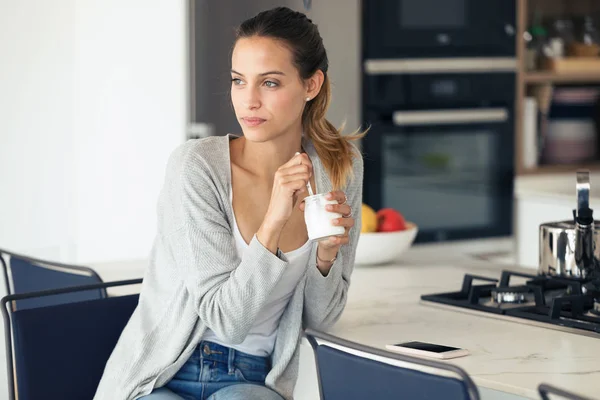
[(434, 348)]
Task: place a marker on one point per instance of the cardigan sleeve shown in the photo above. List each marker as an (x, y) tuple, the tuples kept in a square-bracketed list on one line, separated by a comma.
[(325, 296)]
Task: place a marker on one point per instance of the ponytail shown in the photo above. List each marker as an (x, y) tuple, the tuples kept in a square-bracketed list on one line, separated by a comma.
[(334, 149)]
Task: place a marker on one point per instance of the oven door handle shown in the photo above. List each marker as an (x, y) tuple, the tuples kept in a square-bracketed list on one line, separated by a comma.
[(436, 117)]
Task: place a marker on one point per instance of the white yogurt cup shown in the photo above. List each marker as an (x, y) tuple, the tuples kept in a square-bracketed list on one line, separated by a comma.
[(319, 220)]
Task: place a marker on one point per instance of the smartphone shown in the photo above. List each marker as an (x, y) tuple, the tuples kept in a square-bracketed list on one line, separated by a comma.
[(427, 350)]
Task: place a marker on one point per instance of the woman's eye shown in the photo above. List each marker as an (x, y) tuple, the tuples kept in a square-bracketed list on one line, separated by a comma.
[(271, 84), (236, 81)]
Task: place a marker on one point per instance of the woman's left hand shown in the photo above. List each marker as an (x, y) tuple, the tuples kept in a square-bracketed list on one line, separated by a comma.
[(347, 221), (331, 245)]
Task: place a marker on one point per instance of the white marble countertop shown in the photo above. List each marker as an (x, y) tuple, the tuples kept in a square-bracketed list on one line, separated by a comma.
[(555, 187), (384, 307)]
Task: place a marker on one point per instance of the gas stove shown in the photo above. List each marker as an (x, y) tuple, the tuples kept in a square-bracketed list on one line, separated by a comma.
[(571, 305)]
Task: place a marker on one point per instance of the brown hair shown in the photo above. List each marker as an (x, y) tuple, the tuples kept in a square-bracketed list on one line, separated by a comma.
[(303, 38)]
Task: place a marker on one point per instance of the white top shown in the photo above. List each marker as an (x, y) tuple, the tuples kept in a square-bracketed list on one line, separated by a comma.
[(261, 337)]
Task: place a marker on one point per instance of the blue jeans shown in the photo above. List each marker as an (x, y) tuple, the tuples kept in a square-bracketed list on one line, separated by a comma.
[(215, 372)]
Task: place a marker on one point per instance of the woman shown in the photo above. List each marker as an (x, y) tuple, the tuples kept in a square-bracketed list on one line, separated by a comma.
[(233, 278)]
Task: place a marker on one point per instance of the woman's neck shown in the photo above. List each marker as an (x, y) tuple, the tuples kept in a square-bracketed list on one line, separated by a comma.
[(264, 158)]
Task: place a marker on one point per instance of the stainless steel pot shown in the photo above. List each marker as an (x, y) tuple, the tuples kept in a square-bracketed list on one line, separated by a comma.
[(558, 241), (571, 249)]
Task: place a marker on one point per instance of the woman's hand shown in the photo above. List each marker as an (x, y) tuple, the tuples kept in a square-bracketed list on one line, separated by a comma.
[(329, 247), (289, 183)]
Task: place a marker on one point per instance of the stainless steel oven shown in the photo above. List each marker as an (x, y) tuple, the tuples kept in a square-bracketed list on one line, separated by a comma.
[(439, 28), (440, 150)]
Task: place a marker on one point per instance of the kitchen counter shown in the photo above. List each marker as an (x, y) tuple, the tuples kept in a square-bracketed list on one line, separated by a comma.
[(384, 307), (555, 186), (508, 360)]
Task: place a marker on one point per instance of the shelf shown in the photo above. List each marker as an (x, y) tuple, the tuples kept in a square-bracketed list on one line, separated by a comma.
[(557, 169), (550, 77)]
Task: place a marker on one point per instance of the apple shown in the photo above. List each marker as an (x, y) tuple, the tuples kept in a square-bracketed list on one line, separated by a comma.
[(390, 220)]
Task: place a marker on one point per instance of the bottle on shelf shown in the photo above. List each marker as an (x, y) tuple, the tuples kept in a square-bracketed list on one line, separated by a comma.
[(536, 40)]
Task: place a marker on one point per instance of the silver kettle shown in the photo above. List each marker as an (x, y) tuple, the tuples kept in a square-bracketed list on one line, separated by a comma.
[(571, 248)]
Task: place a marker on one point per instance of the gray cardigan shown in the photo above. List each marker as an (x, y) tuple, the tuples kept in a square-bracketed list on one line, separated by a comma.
[(196, 280)]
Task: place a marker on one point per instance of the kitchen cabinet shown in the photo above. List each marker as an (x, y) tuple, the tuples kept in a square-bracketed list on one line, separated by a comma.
[(541, 82)]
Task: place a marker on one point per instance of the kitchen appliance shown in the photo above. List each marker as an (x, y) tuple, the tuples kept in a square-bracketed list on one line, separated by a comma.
[(571, 248), (439, 79), (399, 29), (440, 150), (565, 293), (546, 301)]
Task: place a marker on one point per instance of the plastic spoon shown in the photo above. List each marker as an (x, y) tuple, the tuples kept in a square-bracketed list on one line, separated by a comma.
[(308, 186)]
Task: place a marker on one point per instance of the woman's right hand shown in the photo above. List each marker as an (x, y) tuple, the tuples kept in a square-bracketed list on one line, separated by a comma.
[(289, 183)]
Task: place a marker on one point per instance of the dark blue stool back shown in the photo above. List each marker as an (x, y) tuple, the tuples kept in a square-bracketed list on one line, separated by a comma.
[(346, 376), (558, 393), (61, 350), (28, 277)]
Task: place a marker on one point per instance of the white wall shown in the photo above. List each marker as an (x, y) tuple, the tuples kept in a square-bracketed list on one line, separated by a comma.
[(92, 101), (36, 108)]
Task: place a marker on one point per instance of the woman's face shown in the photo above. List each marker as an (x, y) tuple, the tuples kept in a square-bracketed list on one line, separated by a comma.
[(267, 93)]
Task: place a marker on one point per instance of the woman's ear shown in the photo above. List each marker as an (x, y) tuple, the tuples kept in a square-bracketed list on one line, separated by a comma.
[(314, 84)]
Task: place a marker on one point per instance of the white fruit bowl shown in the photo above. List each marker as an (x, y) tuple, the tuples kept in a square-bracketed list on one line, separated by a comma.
[(384, 247)]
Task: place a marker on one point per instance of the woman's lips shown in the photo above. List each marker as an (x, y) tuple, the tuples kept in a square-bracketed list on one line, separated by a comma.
[(253, 121)]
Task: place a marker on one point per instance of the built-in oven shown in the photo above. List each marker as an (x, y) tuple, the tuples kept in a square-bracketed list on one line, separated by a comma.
[(440, 150), (439, 28)]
